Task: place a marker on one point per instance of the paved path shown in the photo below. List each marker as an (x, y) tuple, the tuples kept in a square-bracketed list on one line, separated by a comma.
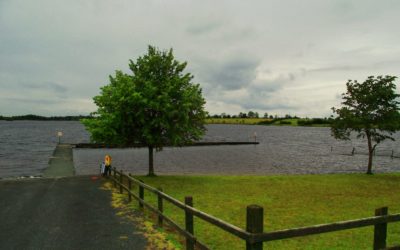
[(63, 213), (61, 163)]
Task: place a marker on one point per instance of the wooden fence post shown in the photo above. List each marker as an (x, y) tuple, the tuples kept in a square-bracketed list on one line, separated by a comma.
[(254, 224), (129, 187), (141, 194), (160, 208), (189, 223), (115, 176), (120, 181), (380, 230)]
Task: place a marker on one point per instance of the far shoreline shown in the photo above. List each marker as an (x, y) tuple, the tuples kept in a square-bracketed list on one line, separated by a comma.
[(294, 122)]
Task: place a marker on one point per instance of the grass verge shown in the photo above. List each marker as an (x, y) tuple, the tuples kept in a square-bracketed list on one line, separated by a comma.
[(289, 201), (157, 238)]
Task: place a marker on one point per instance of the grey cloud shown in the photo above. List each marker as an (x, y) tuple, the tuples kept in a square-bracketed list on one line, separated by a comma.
[(261, 101), (52, 86), (65, 50), (259, 95), (272, 85), (201, 29), (387, 63), (31, 101), (264, 100), (45, 87), (268, 88), (354, 10), (368, 67), (267, 107), (336, 68), (57, 87), (230, 75)]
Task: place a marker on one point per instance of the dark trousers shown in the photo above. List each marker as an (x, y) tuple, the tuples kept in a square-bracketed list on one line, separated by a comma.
[(107, 171)]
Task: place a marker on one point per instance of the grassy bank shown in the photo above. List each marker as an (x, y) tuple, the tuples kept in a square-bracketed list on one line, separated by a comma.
[(288, 201)]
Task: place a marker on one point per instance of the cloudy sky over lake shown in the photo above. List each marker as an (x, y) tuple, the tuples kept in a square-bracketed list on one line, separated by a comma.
[(281, 57)]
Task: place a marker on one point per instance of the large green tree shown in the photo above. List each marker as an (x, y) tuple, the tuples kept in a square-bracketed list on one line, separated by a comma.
[(370, 110), (156, 105)]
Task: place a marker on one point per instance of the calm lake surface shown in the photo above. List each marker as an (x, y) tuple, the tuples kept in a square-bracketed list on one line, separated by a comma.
[(25, 148)]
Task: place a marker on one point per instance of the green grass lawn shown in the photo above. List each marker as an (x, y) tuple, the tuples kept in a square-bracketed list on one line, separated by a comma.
[(289, 201)]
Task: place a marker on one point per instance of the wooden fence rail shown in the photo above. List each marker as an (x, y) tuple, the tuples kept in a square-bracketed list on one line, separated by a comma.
[(253, 235)]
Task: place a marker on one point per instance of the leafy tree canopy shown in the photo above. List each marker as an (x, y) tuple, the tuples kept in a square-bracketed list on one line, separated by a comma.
[(371, 110), (156, 105)]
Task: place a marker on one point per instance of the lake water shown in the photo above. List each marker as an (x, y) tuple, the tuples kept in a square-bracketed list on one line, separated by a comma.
[(25, 148)]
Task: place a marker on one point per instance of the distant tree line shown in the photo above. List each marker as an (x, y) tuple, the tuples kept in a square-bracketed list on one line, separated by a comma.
[(31, 117), (272, 119), (252, 114), (275, 119), (310, 122)]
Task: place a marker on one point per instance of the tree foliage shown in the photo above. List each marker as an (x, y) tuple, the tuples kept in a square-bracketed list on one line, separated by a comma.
[(370, 109), (156, 105)]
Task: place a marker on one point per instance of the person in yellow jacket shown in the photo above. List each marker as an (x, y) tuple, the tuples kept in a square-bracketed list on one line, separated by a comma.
[(107, 162)]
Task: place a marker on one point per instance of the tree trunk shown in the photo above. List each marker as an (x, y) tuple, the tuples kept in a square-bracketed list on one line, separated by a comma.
[(370, 153), (151, 166)]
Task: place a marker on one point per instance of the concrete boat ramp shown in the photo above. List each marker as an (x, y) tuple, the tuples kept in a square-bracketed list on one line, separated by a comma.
[(61, 164), (62, 211)]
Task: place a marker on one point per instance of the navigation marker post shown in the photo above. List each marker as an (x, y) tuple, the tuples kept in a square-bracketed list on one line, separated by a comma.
[(59, 134)]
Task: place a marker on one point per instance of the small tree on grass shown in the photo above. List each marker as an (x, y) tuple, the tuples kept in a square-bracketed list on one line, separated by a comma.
[(370, 109), (157, 105)]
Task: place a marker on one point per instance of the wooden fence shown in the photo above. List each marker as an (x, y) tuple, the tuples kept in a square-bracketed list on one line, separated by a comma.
[(253, 235)]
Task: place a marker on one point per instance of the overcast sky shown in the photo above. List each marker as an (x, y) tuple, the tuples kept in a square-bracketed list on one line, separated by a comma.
[(281, 57)]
